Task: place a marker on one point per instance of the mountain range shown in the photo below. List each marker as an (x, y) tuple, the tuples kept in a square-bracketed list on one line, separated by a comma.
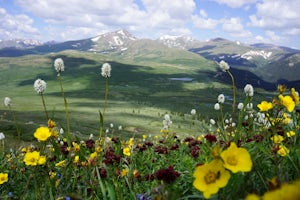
[(263, 65)]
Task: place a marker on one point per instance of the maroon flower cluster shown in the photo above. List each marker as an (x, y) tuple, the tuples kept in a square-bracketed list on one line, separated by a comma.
[(211, 138), (167, 175), (110, 157), (89, 143), (193, 145)]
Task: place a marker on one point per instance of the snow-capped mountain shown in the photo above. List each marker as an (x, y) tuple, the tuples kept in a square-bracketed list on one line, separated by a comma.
[(19, 43), (112, 41), (252, 54), (183, 42)]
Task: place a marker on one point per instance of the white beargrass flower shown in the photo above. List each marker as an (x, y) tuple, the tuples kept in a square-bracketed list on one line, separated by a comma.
[(224, 66), (221, 98), (167, 121), (59, 65), (105, 70), (217, 106), (39, 86), (249, 106), (7, 101), (193, 112), (248, 89), (212, 121), (120, 128), (240, 106), (111, 125), (2, 136), (91, 136)]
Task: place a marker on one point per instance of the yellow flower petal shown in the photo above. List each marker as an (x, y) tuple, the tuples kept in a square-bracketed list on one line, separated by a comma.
[(236, 159)]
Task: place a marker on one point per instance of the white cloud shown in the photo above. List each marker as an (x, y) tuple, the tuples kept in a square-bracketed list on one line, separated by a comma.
[(292, 31), (203, 13), (235, 3), (235, 28), (204, 23), (16, 26), (276, 14), (156, 17), (272, 36)]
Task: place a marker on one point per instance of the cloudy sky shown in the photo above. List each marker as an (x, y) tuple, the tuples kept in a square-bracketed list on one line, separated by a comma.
[(248, 21)]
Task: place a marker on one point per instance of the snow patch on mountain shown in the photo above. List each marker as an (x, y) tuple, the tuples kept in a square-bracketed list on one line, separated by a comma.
[(183, 42), (112, 41), (250, 54)]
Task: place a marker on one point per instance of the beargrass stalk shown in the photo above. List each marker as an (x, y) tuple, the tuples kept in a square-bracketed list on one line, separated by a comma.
[(105, 72), (7, 103), (59, 67), (40, 87)]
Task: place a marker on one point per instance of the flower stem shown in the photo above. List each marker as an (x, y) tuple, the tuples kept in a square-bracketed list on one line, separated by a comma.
[(104, 108), (105, 97), (44, 104), (16, 124), (66, 110), (234, 95)]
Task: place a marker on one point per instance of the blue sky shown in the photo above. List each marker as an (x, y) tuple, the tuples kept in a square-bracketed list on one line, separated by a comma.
[(247, 21)]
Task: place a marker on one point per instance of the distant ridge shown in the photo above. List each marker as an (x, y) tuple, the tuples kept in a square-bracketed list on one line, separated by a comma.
[(267, 62)]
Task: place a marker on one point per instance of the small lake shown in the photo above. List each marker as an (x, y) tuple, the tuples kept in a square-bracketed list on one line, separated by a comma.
[(181, 79)]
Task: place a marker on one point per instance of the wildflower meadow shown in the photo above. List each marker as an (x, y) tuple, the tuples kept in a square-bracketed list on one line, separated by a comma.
[(251, 152)]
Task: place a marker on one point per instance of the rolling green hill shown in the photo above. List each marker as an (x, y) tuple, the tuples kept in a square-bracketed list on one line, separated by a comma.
[(140, 92)]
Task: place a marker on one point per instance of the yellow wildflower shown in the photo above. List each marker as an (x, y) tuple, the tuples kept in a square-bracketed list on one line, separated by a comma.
[(52, 174), (283, 150), (42, 160), (126, 151), (76, 159), (24, 150), (32, 158), (54, 133), (42, 133), (98, 149), (252, 197), (277, 139), (51, 123), (93, 156), (131, 142), (265, 106), (124, 172), (281, 88), (236, 159), (286, 191), (290, 133), (287, 102), (76, 147), (210, 177), (3, 178), (216, 152), (136, 173), (61, 164), (295, 95)]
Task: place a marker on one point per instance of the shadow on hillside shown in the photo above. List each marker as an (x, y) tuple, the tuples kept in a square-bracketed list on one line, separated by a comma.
[(243, 77), (72, 69)]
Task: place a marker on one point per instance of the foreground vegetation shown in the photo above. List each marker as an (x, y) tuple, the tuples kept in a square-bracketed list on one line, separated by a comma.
[(248, 151)]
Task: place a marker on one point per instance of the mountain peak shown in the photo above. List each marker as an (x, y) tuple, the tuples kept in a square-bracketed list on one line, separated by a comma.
[(19, 43), (218, 39), (112, 41), (181, 41), (115, 37)]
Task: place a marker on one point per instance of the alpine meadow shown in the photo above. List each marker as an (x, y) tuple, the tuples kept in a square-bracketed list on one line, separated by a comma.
[(117, 117)]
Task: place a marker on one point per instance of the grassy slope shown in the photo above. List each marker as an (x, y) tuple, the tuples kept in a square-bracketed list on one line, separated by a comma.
[(139, 94)]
